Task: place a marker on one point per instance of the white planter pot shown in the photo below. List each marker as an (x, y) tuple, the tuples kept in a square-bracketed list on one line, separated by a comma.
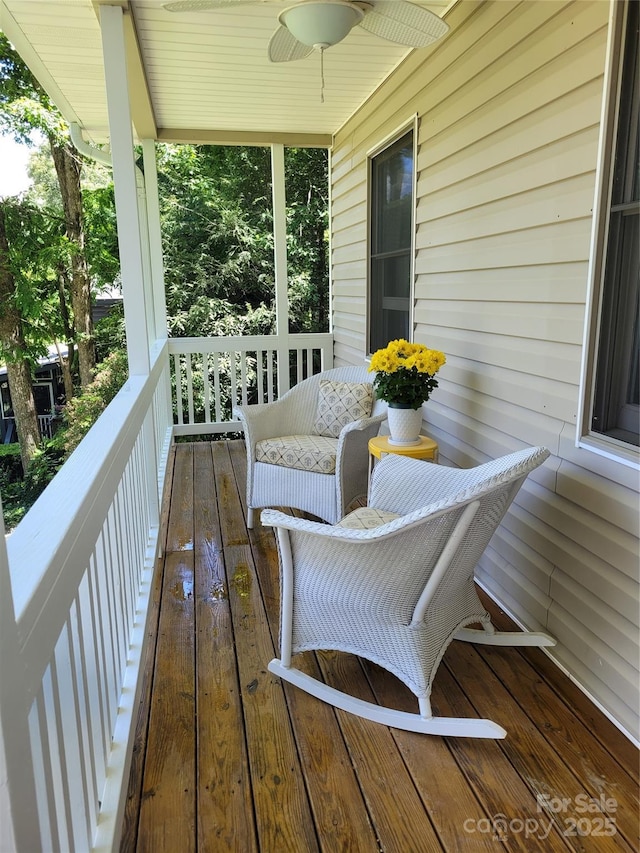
[(404, 425)]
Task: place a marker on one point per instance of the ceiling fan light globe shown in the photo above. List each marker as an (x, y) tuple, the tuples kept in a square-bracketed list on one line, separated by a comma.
[(321, 23)]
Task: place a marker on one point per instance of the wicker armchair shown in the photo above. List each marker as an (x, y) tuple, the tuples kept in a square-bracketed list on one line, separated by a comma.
[(285, 433), (394, 582)]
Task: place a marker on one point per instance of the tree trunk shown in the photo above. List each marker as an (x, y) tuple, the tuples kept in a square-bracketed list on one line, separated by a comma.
[(67, 162), (66, 364), (24, 410), (18, 372)]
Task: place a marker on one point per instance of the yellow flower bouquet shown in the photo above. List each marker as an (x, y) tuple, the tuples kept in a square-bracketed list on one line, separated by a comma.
[(405, 373)]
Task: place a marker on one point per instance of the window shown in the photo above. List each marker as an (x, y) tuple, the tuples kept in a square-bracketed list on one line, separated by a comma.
[(392, 179), (615, 412)]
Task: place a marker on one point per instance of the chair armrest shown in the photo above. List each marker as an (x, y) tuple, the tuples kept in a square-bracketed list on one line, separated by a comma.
[(265, 420), (362, 424), (283, 521)]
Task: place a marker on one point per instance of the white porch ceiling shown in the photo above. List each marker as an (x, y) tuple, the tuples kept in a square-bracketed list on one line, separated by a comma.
[(200, 76)]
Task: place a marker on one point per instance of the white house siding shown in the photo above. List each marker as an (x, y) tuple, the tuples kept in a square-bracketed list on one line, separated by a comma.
[(509, 109)]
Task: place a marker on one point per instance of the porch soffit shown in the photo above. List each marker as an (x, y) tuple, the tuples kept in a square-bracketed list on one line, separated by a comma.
[(199, 77)]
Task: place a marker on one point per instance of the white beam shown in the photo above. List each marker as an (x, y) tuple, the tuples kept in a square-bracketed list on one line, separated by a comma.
[(124, 176), (280, 260)]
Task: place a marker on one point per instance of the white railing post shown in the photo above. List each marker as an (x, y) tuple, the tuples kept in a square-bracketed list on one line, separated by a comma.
[(19, 824), (124, 176), (280, 258)]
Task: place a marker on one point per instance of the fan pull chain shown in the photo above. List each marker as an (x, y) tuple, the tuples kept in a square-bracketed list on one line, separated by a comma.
[(322, 75)]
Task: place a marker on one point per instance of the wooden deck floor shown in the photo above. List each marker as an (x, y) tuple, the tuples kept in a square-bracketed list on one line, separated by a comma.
[(228, 758)]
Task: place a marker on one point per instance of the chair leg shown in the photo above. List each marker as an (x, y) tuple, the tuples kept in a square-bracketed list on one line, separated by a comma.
[(250, 517), (442, 726)]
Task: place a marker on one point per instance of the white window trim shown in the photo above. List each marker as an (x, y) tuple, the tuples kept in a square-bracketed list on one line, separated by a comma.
[(586, 439), (410, 124)]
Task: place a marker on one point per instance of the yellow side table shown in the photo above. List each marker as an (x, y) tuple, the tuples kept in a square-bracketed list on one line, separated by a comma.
[(379, 447)]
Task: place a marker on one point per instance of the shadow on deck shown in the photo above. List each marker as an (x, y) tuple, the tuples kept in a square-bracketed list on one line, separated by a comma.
[(228, 758)]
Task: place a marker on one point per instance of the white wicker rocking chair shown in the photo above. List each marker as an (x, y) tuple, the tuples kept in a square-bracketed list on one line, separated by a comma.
[(287, 422), (398, 593)]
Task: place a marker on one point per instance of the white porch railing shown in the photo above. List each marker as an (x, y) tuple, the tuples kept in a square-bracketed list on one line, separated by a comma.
[(80, 564), (44, 422), (74, 598), (213, 374)]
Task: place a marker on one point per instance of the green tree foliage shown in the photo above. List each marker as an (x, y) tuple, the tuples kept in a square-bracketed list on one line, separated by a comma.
[(84, 410), (24, 108), (307, 191), (217, 225)]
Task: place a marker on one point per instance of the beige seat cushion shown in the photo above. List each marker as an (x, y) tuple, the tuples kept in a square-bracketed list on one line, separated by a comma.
[(366, 518), (340, 403), (305, 452)]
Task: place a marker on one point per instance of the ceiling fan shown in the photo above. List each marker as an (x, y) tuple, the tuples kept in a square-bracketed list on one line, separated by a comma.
[(320, 24)]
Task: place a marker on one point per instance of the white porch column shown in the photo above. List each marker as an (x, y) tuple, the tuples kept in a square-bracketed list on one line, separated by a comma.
[(133, 233), (19, 824), (130, 238), (280, 258), (155, 238)]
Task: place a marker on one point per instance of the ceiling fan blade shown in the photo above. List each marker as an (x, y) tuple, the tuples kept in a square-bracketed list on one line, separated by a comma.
[(404, 23), (206, 5), (285, 47)]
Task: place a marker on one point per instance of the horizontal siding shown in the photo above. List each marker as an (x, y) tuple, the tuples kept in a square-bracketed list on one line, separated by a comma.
[(509, 108)]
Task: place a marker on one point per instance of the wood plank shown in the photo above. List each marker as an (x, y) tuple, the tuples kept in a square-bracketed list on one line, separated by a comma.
[(608, 735), (339, 811), (501, 790), (283, 815), (129, 835), (548, 774), (234, 530), (180, 524), (392, 800), (339, 808), (168, 814), (224, 805), (442, 785), (600, 774)]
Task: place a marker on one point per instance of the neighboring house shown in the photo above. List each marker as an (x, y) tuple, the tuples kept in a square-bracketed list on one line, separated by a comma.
[(48, 385), (505, 156), (48, 393)]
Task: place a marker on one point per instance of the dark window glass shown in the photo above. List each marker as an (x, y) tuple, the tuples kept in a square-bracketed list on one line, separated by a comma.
[(616, 410), (391, 239)]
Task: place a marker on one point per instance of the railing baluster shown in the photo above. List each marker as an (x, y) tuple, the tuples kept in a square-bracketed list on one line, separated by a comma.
[(207, 389), (243, 377), (189, 389), (80, 676), (177, 370), (270, 379), (71, 737), (87, 659), (233, 391), (259, 377), (48, 816), (216, 386), (54, 756), (299, 366)]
